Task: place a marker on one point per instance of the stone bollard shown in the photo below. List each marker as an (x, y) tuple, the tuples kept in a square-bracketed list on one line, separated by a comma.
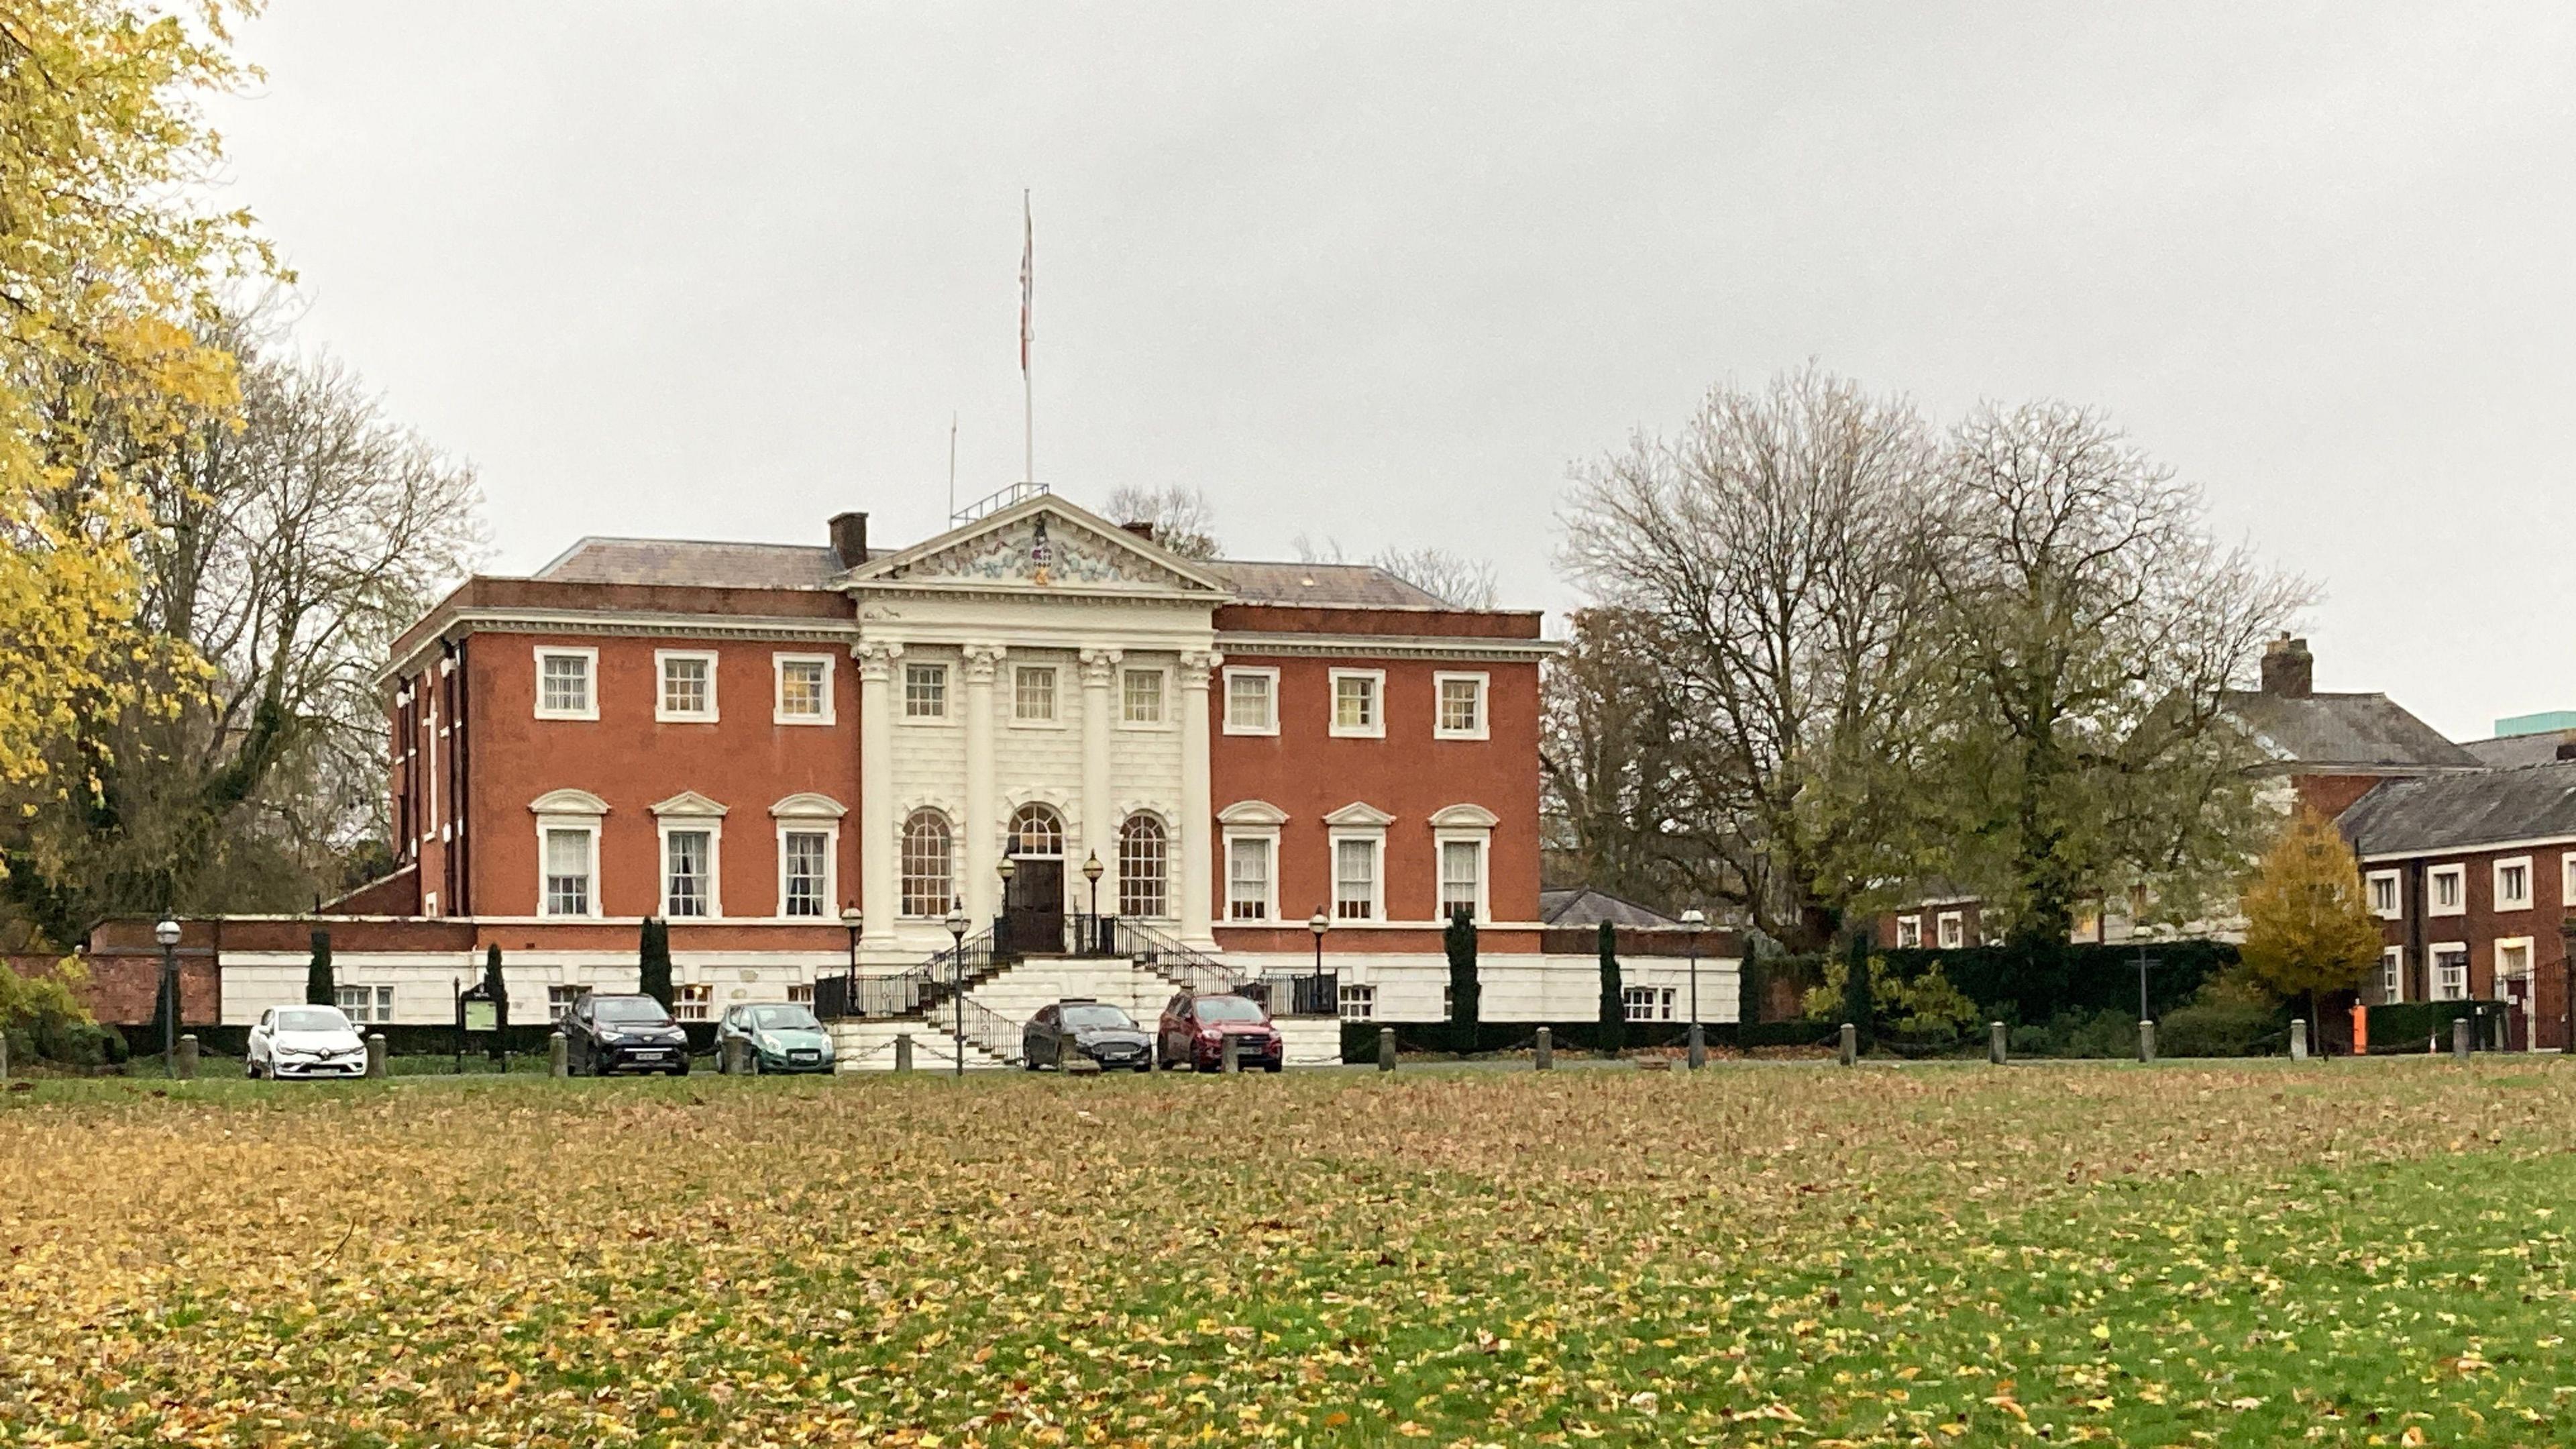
[(1543, 1050), (2146, 1041), (558, 1054), (903, 1051), (1698, 1046), (1386, 1048), (2298, 1039), (737, 1053), (187, 1069), (1998, 1044), (1228, 1061), (2460, 1038), (1851, 1044), (375, 1054)]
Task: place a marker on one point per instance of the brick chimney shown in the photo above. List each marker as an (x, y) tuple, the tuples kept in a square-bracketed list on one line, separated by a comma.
[(850, 541), (2289, 670)]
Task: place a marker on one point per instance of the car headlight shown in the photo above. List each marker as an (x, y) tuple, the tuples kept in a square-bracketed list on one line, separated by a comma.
[(764, 1041)]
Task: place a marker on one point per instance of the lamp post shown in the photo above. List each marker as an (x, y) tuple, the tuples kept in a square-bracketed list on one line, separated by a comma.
[(1319, 923), (957, 922), (1005, 868), (850, 919), (167, 933), (1693, 921), (1092, 870)]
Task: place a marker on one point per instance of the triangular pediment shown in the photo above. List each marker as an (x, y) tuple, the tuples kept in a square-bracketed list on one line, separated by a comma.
[(1041, 544)]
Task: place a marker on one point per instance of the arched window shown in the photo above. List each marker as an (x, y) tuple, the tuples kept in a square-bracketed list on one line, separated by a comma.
[(1037, 830), (1141, 853), (928, 879)]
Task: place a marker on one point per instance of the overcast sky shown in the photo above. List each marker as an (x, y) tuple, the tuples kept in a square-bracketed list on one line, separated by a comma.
[(1381, 273)]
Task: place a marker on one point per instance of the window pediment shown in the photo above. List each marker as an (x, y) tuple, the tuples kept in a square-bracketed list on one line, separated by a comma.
[(1360, 812), (1465, 817), (568, 802), (1252, 812), (689, 803), (806, 805)]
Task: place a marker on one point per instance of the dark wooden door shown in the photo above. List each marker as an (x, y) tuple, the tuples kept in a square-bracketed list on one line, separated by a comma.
[(1034, 912), (2517, 1013)]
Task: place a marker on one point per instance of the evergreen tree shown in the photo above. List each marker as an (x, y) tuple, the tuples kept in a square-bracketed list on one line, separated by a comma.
[(1464, 1003), (499, 990), (1751, 981), (655, 979), (1614, 1002), (2308, 927), (1858, 1007), (319, 988)]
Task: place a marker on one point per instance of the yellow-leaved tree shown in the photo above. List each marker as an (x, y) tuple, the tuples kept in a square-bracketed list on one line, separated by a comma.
[(2308, 929), (111, 267)]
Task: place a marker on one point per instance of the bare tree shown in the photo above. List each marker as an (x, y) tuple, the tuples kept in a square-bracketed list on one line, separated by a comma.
[(1182, 518), (2092, 623), (287, 553), (1770, 547)]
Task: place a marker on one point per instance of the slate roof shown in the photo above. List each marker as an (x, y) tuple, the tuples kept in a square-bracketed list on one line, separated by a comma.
[(1584, 906), (2507, 752), (2460, 811), (2346, 729), (704, 564)]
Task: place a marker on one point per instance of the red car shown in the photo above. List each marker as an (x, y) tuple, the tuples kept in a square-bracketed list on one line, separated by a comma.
[(1196, 1025)]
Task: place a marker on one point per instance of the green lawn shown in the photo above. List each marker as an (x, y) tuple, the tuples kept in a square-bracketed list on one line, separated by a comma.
[(2241, 1254)]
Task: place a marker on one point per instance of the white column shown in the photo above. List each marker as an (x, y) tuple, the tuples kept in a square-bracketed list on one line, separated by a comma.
[(1099, 826), (981, 829), (879, 847), (1198, 810)]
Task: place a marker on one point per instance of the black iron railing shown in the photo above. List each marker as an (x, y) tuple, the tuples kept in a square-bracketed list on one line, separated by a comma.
[(982, 1025), (851, 994), (1311, 993), (1106, 936)]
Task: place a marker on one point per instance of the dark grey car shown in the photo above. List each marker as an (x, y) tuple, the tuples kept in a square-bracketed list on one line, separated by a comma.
[(1082, 1028)]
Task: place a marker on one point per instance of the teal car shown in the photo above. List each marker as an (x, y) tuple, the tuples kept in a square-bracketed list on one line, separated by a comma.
[(782, 1035)]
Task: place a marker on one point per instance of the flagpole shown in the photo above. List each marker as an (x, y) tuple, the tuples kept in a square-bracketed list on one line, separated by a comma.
[(1028, 334), (952, 467)]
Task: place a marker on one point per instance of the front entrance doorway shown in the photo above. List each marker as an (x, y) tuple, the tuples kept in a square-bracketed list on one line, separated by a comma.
[(1033, 907)]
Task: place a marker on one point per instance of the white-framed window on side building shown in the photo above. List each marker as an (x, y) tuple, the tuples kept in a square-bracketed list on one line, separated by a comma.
[(567, 683), (2450, 973), (1461, 843), (688, 686), (2513, 884), (2384, 896), (1953, 928), (2447, 890), (1359, 703), (2392, 975), (804, 688), (559, 1000), (1460, 701), (568, 823), (1251, 701), (366, 1003), (1357, 1002), (694, 1003), (1909, 932), (1250, 884), (1647, 1003)]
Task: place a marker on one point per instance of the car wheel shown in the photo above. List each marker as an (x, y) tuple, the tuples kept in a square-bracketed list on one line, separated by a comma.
[(1145, 1066), (1275, 1066)]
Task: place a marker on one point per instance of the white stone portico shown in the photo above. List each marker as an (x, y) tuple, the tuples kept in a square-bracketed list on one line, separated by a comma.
[(1037, 659)]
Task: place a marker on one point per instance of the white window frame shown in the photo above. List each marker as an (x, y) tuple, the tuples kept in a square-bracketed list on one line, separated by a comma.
[(683, 813), (1484, 682), (2567, 880), (546, 831), (1169, 704), (1909, 933), (2396, 883), (663, 659), (2498, 900), (1268, 836), (830, 830), (1055, 696), (693, 1001), (1355, 1001), (2392, 975), (376, 1008), (1374, 904), (1951, 930), (560, 999), (569, 810), (947, 693), (1226, 709), (2433, 954), (1375, 729), (2530, 962), (2459, 878), (778, 688), (1469, 825), (590, 675)]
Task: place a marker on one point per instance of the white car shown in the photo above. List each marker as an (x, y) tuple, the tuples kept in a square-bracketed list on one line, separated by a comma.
[(305, 1041)]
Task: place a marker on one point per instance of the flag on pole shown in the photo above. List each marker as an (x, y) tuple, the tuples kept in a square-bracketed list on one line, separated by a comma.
[(1028, 279)]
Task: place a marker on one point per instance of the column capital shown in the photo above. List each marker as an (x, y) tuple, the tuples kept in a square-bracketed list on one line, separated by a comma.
[(1197, 665), (876, 657), (1096, 666), (982, 660)]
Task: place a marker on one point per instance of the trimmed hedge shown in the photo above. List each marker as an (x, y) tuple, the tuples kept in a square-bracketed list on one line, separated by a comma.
[(2425, 1026), (2038, 984), (1359, 1038)]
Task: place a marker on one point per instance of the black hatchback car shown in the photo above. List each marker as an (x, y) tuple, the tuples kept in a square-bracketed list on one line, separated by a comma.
[(1079, 1027), (606, 1034)]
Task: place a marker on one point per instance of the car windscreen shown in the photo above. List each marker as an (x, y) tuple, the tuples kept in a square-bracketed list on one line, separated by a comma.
[(312, 1018), (1227, 1008), (1077, 1018), (632, 1011), (783, 1018)]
